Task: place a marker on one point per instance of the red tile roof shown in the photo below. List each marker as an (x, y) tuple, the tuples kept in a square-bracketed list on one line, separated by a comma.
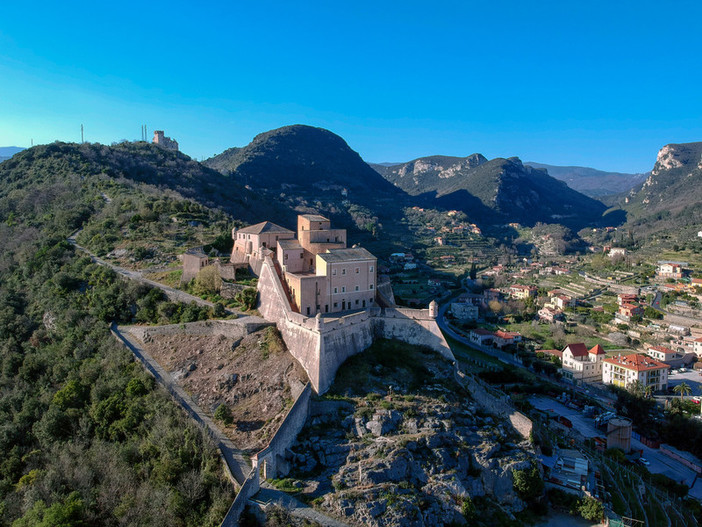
[(637, 362), (662, 349), (597, 350), (577, 349)]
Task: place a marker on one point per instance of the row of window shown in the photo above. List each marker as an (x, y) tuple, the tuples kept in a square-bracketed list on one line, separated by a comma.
[(343, 289), (358, 270)]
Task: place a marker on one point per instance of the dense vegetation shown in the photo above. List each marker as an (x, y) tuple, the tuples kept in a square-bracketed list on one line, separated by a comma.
[(87, 437)]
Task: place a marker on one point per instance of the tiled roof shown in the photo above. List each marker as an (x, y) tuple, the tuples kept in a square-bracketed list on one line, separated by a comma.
[(346, 255), (637, 362), (264, 226), (314, 217), (577, 349), (597, 350), (663, 349), (289, 244)]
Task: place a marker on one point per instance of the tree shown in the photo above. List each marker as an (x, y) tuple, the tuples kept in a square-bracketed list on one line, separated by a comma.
[(591, 509), (208, 281), (224, 414), (528, 483), (683, 389)]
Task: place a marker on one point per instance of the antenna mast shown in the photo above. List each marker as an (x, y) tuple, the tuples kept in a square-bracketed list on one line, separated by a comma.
[(81, 134)]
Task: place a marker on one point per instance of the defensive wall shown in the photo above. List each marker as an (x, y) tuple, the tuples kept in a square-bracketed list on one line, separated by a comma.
[(322, 344), (495, 403)]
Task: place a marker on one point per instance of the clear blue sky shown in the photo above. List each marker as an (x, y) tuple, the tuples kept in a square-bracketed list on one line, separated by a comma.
[(602, 84)]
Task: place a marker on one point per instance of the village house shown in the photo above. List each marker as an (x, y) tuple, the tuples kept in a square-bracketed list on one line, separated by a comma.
[(481, 337), (562, 301), (624, 370), (505, 338), (581, 364), (626, 311), (668, 356), (626, 299), (522, 292), (322, 275), (550, 314), (464, 311), (697, 347), (616, 251), (667, 269)]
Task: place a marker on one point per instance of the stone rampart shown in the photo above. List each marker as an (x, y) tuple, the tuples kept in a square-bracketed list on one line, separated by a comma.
[(322, 344), (250, 487), (272, 459), (496, 403)]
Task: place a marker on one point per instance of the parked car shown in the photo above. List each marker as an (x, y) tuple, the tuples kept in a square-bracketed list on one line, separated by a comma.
[(644, 461)]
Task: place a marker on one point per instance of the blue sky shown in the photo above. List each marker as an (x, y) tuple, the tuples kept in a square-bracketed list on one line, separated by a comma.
[(581, 83)]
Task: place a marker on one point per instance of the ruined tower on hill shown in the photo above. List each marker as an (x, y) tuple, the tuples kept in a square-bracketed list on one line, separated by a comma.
[(166, 142)]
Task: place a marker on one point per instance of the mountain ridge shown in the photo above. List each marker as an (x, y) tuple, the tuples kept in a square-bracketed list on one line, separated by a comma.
[(591, 181)]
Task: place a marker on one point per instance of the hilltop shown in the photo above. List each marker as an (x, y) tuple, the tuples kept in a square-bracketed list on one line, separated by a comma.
[(590, 181)]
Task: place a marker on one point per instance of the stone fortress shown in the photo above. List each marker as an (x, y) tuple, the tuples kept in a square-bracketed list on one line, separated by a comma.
[(324, 297), (166, 142)]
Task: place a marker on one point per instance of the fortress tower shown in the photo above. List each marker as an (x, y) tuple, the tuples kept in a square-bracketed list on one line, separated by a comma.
[(166, 142)]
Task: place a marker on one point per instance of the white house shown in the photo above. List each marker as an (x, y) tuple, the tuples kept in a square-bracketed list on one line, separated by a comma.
[(581, 364), (624, 370), (671, 357)]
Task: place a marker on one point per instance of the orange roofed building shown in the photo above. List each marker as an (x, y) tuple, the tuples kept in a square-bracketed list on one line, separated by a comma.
[(321, 274), (581, 364), (622, 371)]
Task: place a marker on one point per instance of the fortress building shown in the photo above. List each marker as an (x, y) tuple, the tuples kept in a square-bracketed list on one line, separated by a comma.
[(324, 297), (166, 142), (321, 275)]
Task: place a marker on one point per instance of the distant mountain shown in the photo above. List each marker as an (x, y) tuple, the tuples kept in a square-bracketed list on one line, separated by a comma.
[(592, 182), (671, 196), (300, 156), (496, 190), (6, 152)]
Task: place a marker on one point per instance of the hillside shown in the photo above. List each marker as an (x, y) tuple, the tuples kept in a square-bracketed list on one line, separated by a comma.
[(499, 190), (300, 156), (87, 437), (671, 197), (592, 182)]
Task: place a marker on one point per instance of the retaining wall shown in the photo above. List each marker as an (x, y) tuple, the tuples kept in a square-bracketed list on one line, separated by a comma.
[(250, 487), (272, 458)]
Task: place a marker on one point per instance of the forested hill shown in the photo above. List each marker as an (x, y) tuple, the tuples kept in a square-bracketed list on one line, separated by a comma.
[(498, 190), (86, 437), (670, 200)]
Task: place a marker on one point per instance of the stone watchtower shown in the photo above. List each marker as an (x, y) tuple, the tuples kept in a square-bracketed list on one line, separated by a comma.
[(433, 309), (166, 142)]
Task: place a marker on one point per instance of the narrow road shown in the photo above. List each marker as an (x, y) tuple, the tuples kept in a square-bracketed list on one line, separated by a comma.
[(173, 294), (237, 461)]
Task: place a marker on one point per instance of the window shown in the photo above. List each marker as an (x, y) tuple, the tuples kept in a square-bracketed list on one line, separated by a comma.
[(343, 288), (301, 256), (358, 269), (334, 272), (336, 304), (356, 301), (336, 290), (370, 269), (371, 286), (357, 289), (343, 271)]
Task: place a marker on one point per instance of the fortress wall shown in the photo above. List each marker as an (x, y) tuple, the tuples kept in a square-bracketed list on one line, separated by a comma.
[(302, 341), (341, 342), (414, 326), (273, 456)]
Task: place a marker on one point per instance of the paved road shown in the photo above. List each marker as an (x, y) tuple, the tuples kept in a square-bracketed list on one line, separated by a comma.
[(237, 461), (298, 509), (660, 463)]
